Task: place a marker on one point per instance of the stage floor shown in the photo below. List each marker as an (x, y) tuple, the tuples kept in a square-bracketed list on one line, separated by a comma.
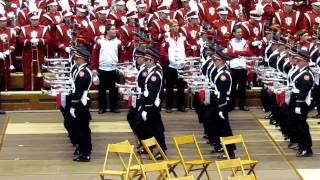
[(34, 145)]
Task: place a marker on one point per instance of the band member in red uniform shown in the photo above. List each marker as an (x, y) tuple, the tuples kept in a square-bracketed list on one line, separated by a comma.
[(34, 38), (223, 27), (192, 32), (208, 12), (7, 47), (98, 26), (64, 35), (50, 19), (127, 36), (119, 16), (160, 26), (288, 19), (311, 19)]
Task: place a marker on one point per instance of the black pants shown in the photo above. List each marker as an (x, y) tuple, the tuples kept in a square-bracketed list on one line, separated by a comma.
[(316, 97), (155, 126), (239, 81), (107, 81), (200, 108), (302, 128), (171, 79), (82, 130), (137, 124)]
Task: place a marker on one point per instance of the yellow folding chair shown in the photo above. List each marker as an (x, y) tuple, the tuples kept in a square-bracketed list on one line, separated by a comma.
[(233, 164), (183, 178), (156, 167), (247, 162), (189, 165), (118, 149), (153, 143), (135, 167), (246, 177)]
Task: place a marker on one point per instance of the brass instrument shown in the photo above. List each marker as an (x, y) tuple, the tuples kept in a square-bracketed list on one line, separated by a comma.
[(35, 59)]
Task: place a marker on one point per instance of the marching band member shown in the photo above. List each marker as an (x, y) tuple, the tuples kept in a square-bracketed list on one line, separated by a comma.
[(127, 36), (150, 105), (311, 19), (7, 48), (34, 38), (300, 101), (64, 36), (50, 19), (223, 26), (289, 19), (80, 104), (173, 50), (105, 57), (192, 32), (160, 26)]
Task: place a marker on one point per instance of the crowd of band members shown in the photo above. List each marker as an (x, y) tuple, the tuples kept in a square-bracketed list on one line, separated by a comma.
[(176, 30)]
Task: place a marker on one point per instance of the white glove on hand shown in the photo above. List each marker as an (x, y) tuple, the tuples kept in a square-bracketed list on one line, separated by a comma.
[(297, 110), (221, 114), (72, 112), (67, 49), (34, 41), (7, 52), (256, 43), (2, 56), (194, 48), (144, 115)]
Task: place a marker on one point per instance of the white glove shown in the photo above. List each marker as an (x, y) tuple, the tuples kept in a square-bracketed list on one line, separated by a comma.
[(7, 52), (72, 112), (144, 115), (34, 41), (297, 110), (14, 5), (2, 56), (67, 49), (256, 43), (194, 48), (221, 114)]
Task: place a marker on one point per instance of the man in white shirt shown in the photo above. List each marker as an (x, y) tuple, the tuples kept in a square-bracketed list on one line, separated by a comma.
[(105, 57)]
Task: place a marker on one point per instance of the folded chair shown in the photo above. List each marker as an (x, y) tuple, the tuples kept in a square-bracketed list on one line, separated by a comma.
[(233, 164), (192, 165), (246, 177), (247, 162), (155, 167), (135, 167), (150, 143), (120, 150)]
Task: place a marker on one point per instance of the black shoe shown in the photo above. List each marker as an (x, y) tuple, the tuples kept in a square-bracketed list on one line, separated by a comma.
[(158, 157), (304, 153), (182, 109), (115, 110), (218, 149), (2, 112), (224, 157), (269, 116), (142, 151), (316, 116), (293, 146), (169, 110), (273, 122), (101, 111), (244, 108), (205, 137), (82, 158)]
